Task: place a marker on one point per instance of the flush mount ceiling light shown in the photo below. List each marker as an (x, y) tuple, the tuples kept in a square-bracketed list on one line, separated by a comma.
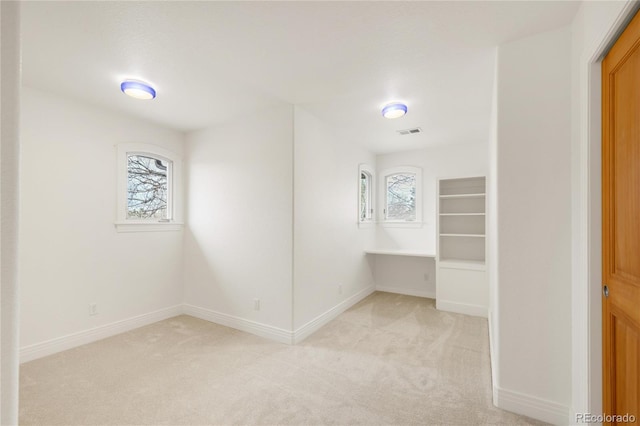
[(394, 110), (138, 89)]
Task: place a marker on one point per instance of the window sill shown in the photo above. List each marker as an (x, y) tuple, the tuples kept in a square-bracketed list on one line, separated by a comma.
[(148, 226), (401, 224)]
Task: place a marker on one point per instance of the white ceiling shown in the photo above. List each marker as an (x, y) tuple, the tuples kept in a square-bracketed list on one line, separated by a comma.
[(213, 61)]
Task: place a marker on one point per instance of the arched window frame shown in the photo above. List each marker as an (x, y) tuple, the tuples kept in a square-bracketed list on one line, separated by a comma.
[(173, 222), (383, 208), (369, 198)]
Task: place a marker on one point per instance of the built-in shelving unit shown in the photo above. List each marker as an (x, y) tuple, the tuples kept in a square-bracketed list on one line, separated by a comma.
[(461, 221), (462, 284)]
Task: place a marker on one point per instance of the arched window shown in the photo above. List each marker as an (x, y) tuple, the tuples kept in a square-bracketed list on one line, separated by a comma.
[(148, 188), (365, 194), (402, 195)]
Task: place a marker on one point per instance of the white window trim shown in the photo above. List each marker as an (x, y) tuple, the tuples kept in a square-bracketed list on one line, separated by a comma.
[(368, 223), (175, 191), (383, 197)]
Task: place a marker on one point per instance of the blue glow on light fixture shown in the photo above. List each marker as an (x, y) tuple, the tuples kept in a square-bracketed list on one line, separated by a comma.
[(138, 89), (394, 110)]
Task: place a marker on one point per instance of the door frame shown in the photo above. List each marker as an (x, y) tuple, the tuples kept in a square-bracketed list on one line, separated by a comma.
[(587, 221)]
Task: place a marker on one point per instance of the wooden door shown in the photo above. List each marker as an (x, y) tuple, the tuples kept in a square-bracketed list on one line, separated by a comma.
[(621, 225)]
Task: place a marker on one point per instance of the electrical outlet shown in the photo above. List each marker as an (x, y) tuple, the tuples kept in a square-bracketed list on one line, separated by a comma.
[(93, 309), (256, 304), (339, 288)]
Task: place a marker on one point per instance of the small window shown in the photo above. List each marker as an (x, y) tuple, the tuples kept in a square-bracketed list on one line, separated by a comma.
[(148, 189), (365, 194), (365, 197), (402, 195)]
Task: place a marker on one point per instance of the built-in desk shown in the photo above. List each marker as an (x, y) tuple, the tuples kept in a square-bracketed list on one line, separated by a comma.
[(398, 252), (410, 272)]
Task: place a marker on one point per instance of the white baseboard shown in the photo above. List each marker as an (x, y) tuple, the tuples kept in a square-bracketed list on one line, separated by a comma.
[(419, 293), (493, 357), (312, 326), (59, 344), (461, 308), (49, 347), (531, 406), (259, 329)]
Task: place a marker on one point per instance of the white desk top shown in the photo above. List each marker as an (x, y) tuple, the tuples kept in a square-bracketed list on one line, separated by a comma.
[(399, 252)]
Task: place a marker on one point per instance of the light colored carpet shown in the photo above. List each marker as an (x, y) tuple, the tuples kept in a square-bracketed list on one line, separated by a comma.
[(390, 359)]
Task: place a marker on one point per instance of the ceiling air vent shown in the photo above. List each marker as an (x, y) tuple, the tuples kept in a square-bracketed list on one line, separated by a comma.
[(410, 131)]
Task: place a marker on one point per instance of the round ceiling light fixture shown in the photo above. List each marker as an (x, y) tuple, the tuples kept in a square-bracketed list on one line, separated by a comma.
[(394, 110), (138, 89)]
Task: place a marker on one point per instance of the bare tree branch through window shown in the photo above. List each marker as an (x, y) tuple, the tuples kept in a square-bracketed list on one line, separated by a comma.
[(147, 188), (365, 197), (401, 197)]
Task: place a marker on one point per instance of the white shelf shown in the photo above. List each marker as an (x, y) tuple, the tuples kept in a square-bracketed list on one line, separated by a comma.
[(463, 235), (462, 214), (479, 195), (398, 252), (476, 265)]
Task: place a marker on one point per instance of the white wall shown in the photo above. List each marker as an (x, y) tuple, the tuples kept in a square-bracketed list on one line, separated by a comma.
[(238, 246), (70, 252), (415, 276), (436, 162), (328, 244), (594, 28), (534, 235), (9, 119)]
